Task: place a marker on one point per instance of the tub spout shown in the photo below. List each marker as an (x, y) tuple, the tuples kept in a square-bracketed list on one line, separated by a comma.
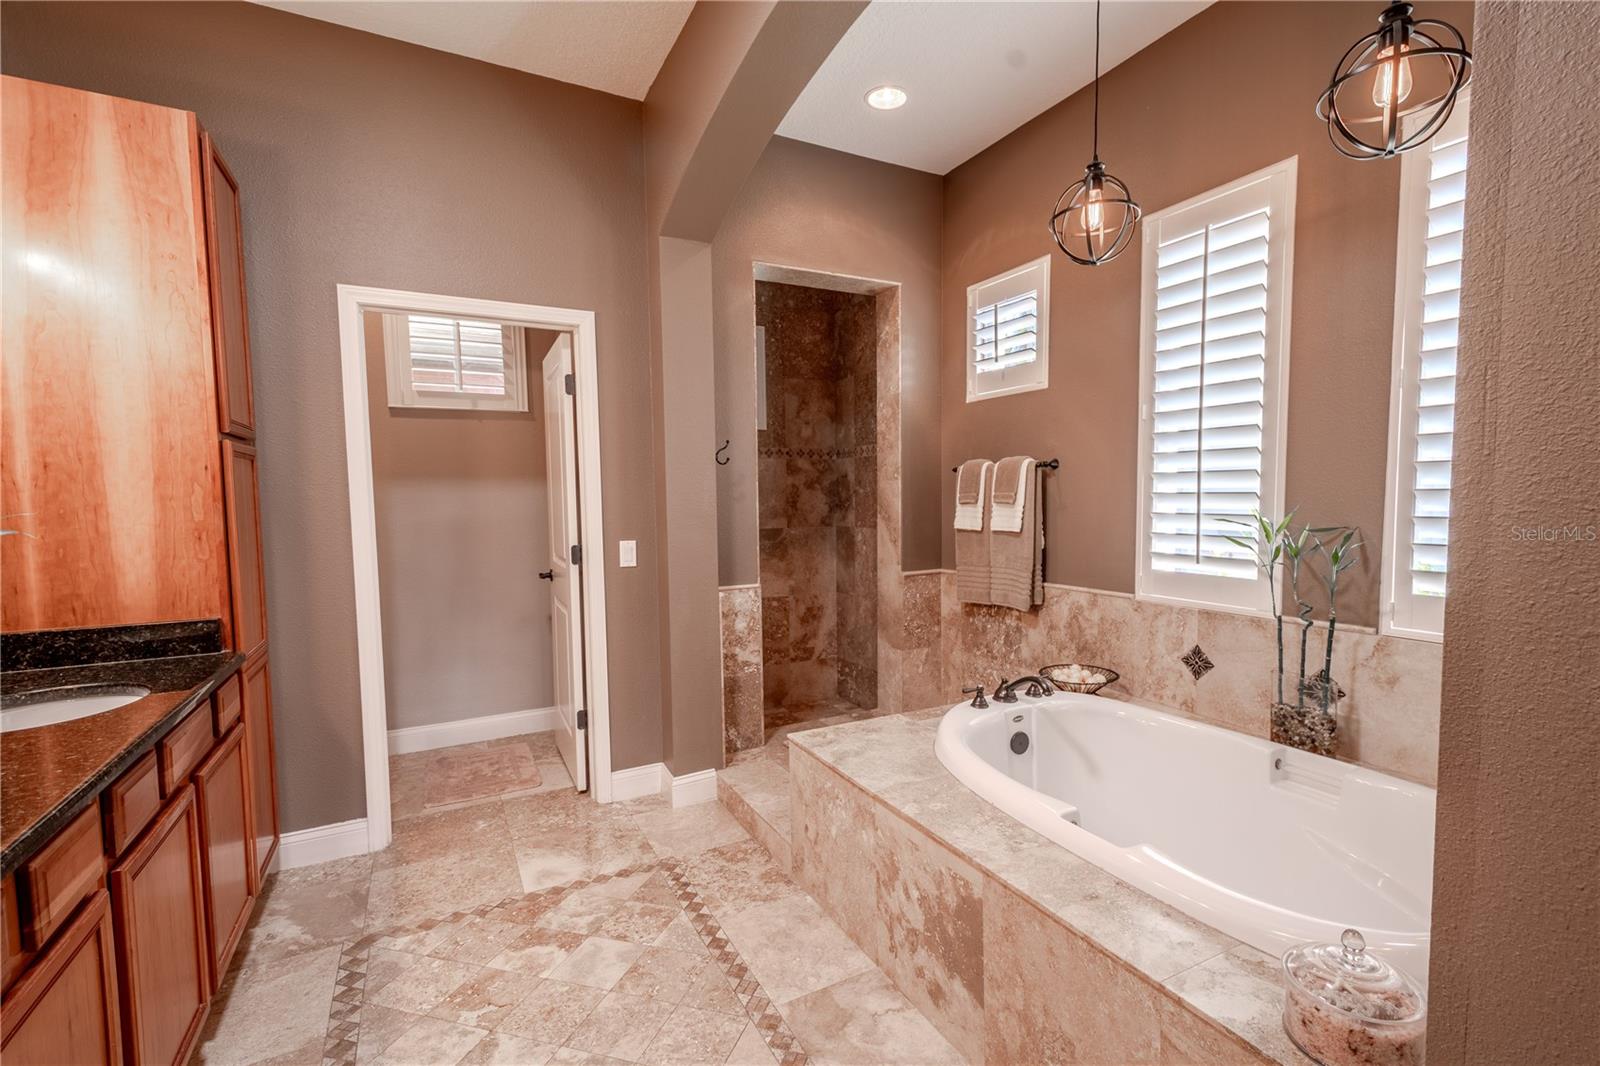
[(1037, 686)]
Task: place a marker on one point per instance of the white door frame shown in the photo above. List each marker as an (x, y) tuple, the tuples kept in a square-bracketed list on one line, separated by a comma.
[(353, 301)]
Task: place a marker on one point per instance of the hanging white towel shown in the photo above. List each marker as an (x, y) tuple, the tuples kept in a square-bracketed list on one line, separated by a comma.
[(1013, 471), (970, 515)]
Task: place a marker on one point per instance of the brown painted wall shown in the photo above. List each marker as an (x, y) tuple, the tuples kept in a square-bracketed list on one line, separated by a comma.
[(1226, 93), (463, 509), (826, 211), (544, 204), (1516, 915)]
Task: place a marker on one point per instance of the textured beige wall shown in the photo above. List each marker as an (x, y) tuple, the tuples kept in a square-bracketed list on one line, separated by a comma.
[(543, 204), (826, 211), (1516, 916), (462, 503), (732, 75), (1226, 93)]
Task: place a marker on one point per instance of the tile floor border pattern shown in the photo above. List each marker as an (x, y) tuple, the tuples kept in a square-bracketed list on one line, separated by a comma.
[(344, 1015)]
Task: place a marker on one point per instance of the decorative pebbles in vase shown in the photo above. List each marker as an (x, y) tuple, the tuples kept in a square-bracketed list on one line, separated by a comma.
[(1304, 703), (1346, 1007)]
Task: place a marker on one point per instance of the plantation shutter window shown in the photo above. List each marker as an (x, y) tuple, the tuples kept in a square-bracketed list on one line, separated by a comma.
[(462, 363), (1433, 194), (1008, 322), (1214, 363)]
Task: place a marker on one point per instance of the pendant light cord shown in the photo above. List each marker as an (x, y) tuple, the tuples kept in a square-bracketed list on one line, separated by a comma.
[(1097, 80)]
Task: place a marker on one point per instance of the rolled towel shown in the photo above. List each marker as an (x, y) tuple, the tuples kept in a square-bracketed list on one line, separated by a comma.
[(1011, 478), (970, 506)]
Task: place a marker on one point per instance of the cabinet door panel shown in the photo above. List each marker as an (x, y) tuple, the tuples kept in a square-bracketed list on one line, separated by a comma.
[(108, 452), (222, 788), (64, 1010), (244, 545), (229, 321), (263, 762), (158, 898)]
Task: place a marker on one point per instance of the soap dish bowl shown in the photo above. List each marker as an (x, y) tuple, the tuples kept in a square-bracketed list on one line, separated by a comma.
[(1057, 676)]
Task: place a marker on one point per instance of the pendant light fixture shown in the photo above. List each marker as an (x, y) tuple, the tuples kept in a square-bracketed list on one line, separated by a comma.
[(1395, 88), (1095, 218)]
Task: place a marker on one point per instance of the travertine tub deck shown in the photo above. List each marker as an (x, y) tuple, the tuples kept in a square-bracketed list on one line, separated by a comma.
[(1014, 948)]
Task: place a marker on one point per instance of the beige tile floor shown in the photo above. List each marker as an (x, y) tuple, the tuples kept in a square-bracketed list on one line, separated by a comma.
[(530, 925)]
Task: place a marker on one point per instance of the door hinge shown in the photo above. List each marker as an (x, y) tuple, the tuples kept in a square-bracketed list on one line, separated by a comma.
[(583, 719), (577, 555), (571, 385)]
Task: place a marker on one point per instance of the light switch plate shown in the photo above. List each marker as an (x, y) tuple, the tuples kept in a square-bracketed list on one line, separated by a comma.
[(627, 553)]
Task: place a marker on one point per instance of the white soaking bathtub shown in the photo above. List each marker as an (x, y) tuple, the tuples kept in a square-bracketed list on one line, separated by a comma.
[(1271, 845)]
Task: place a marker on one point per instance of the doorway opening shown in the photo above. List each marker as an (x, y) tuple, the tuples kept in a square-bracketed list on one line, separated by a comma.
[(473, 438), (817, 370)]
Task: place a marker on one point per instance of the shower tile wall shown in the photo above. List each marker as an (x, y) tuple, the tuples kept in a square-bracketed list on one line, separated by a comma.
[(818, 496)]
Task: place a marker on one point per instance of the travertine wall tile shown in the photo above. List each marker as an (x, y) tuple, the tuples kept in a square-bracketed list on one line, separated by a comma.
[(1389, 719), (741, 667), (908, 902)]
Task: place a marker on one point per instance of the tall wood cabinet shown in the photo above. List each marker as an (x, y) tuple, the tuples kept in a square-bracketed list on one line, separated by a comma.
[(127, 440)]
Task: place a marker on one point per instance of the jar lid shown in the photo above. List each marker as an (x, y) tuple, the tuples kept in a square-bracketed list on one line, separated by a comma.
[(1346, 977)]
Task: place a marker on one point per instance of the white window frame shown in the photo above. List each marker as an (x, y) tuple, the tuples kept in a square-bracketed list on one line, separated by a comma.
[(1276, 186), (1029, 377), (397, 366), (1401, 613)]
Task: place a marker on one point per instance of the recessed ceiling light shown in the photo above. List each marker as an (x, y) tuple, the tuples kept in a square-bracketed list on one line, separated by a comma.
[(887, 97)]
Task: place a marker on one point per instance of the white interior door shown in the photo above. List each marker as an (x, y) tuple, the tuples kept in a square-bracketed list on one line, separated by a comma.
[(566, 601)]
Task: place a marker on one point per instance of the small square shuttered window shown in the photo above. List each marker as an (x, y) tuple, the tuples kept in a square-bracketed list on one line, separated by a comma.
[(461, 363), (1433, 200), (1008, 323), (1214, 365)]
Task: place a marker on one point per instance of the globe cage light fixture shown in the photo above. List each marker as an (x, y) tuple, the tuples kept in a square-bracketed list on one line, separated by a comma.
[(1095, 217), (1374, 82)]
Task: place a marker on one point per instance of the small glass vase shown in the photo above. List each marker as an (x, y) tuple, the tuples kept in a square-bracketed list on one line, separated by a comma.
[(1307, 717)]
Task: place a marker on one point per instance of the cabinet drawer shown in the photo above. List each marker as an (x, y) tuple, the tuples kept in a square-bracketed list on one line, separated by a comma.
[(182, 749), (66, 871), (228, 704), (131, 801)]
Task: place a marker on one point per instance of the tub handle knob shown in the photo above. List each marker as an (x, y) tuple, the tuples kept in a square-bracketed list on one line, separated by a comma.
[(977, 701)]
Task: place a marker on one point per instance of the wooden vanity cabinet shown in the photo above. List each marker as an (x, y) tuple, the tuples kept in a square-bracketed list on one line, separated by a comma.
[(227, 848), (229, 321), (64, 1009), (163, 958)]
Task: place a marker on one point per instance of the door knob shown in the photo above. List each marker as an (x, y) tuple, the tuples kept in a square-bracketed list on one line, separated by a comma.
[(547, 575)]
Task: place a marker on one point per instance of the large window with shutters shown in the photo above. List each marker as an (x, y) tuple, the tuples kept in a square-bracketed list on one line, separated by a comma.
[(1427, 310), (1008, 332), (1214, 368), (459, 363)]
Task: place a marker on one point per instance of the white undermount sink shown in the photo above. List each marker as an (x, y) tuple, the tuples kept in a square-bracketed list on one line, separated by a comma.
[(53, 706)]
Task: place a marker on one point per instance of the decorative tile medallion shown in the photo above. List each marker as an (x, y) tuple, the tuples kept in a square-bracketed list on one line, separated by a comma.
[(1198, 662)]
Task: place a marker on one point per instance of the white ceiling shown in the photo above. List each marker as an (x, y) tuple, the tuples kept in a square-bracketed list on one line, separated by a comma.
[(616, 46), (973, 72)]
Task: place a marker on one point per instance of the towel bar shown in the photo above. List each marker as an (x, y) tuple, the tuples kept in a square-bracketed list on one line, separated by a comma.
[(1043, 464)]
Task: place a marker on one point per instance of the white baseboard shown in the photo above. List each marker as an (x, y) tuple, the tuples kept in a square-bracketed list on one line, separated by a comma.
[(471, 730), (698, 787), (636, 782), (322, 843), (656, 780)]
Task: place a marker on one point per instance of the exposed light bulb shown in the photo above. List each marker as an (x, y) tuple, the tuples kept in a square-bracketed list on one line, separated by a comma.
[(1393, 83), (886, 97), (1094, 210)]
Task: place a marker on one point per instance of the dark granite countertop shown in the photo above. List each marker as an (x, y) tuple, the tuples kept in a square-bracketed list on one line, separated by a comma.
[(50, 773)]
